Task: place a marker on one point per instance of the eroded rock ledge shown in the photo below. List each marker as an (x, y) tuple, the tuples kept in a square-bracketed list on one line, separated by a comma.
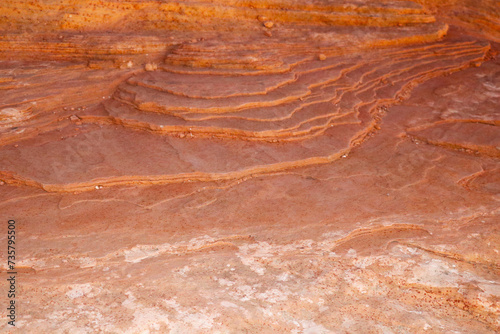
[(252, 166)]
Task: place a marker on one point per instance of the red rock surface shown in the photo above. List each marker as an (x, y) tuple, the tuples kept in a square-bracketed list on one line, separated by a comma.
[(251, 166)]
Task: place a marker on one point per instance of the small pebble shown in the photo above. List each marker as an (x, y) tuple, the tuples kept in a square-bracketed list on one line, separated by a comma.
[(262, 18), (268, 33), (268, 24), (322, 56), (151, 67)]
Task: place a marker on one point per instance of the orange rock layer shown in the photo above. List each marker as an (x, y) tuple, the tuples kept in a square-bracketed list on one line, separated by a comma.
[(252, 166)]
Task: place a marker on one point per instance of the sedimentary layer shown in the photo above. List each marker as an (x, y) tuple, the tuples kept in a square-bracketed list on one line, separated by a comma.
[(252, 166)]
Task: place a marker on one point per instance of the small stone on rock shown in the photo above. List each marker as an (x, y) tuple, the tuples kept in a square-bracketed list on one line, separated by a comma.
[(268, 24), (151, 67)]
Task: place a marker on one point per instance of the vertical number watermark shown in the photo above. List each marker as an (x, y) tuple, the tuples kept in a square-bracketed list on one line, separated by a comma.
[(11, 272)]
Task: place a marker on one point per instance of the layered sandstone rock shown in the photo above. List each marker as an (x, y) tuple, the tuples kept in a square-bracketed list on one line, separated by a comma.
[(252, 166)]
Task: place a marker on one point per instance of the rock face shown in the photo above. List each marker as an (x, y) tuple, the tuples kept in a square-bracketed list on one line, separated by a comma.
[(252, 166)]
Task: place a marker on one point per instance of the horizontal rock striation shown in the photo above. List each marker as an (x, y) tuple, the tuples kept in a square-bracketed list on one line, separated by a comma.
[(112, 29), (480, 17), (314, 114), (205, 166)]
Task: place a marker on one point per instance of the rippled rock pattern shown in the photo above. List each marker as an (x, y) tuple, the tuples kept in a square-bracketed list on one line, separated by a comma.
[(252, 166)]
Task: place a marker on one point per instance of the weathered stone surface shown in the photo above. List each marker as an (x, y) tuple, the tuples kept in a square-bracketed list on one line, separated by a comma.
[(251, 166)]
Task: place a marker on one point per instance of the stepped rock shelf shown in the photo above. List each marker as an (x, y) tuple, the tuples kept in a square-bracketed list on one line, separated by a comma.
[(271, 166)]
